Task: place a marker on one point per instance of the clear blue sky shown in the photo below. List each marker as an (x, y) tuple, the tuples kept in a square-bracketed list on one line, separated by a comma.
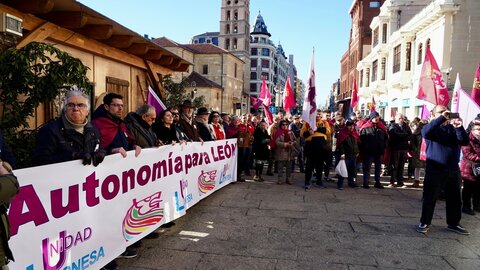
[(297, 25)]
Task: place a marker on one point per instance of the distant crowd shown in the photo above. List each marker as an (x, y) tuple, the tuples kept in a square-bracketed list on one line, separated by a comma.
[(289, 142)]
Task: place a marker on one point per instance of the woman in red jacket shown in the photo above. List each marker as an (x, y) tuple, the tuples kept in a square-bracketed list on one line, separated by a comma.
[(471, 183)]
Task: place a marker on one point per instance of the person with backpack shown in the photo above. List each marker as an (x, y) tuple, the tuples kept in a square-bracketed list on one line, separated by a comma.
[(315, 152)]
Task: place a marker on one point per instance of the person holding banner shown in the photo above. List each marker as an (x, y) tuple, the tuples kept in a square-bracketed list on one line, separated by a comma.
[(140, 123), (186, 123), (215, 126), (8, 189), (165, 130), (443, 138), (114, 136), (71, 136)]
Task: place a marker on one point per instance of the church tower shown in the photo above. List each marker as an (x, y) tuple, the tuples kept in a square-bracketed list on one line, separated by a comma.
[(235, 33)]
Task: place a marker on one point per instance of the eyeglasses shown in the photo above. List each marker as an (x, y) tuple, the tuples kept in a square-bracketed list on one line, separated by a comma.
[(79, 105), (117, 105), (175, 113)]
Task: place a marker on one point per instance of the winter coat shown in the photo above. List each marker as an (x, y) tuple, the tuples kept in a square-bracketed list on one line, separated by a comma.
[(471, 154), (245, 139), (315, 145), (416, 144), (55, 143), (400, 137), (374, 139), (260, 144), (348, 143), (141, 131), (284, 151), (443, 144), (164, 134), (204, 131), (189, 129), (217, 130), (113, 131)]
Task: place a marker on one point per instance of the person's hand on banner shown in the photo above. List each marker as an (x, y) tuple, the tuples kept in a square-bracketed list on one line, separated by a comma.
[(137, 149)]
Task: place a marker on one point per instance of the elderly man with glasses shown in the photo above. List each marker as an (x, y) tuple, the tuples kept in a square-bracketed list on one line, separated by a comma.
[(443, 137), (71, 136)]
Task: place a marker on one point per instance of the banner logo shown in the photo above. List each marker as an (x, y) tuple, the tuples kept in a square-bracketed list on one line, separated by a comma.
[(224, 176), (206, 181), (142, 215)]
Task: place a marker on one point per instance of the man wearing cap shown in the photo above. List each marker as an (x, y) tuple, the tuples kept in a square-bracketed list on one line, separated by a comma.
[(225, 120), (201, 120), (374, 139), (400, 137), (347, 146), (186, 123)]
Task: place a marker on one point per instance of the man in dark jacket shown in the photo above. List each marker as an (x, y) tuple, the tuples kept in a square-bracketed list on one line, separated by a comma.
[(71, 136), (114, 136), (201, 122), (139, 124), (186, 123), (316, 154), (8, 189), (444, 138), (374, 139), (400, 137), (347, 146)]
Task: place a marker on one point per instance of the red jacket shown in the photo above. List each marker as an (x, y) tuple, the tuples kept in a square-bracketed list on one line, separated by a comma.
[(471, 154)]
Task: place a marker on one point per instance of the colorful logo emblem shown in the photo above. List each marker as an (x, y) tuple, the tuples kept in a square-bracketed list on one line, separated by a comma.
[(206, 181), (224, 176), (142, 215)]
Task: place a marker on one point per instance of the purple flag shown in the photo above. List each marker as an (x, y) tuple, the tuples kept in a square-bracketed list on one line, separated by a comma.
[(425, 113), (154, 100)]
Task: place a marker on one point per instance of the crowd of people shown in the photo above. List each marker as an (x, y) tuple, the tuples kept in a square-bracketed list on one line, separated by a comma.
[(360, 141)]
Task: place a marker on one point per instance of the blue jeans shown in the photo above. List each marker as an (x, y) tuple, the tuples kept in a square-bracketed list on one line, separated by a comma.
[(352, 172)]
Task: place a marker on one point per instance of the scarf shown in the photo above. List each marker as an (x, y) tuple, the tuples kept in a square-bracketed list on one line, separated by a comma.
[(285, 132), (379, 125), (70, 125), (344, 133)]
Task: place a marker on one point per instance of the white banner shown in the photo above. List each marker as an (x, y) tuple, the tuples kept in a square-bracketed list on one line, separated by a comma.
[(69, 216)]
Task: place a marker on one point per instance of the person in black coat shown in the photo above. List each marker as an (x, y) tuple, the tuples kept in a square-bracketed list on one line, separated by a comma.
[(261, 153), (201, 120), (400, 137), (165, 129), (71, 136)]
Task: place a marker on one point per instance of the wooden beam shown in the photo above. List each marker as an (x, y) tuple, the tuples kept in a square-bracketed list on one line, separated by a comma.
[(138, 48), (165, 60), (175, 64), (34, 7), (39, 34), (184, 67), (97, 31), (155, 79), (120, 41), (67, 19), (153, 55)]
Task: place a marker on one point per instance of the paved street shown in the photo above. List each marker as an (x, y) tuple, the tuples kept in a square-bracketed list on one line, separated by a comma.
[(267, 226)]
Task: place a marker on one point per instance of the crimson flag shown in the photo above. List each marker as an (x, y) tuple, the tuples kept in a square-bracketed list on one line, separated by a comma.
[(288, 99), (432, 86), (476, 87), (265, 95), (354, 99)]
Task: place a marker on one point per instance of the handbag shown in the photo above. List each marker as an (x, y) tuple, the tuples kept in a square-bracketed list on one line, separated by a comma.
[(476, 169)]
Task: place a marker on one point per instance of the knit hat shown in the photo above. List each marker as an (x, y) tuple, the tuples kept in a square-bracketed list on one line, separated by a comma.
[(349, 123), (373, 115)]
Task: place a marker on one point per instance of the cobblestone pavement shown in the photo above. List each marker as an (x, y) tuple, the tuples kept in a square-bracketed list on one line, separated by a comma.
[(268, 226)]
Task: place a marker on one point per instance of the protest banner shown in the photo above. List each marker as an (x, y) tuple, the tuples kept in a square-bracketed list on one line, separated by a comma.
[(70, 216)]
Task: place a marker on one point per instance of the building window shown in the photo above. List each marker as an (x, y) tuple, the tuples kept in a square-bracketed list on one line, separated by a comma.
[(375, 4), (265, 76), (253, 63), (399, 19), (253, 75), (384, 33), (254, 51), (361, 78), (408, 56), (265, 63), (265, 52), (374, 70), (228, 15), (396, 58), (382, 71), (234, 44), (205, 69), (235, 28), (367, 77), (235, 71), (227, 28), (420, 52), (229, 2), (375, 37), (218, 95), (253, 87), (227, 44), (427, 45), (235, 15)]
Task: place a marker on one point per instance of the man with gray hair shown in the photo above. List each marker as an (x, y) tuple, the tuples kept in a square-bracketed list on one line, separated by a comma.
[(140, 123), (400, 137), (71, 136)]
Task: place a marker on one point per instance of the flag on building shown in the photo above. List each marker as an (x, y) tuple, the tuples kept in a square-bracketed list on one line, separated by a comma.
[(154, 100), (288, 98), (476, 86), (458, 86), (265, 95), (432, 86), (354, 98), (309, 112), (268, 115), (255, 102)]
